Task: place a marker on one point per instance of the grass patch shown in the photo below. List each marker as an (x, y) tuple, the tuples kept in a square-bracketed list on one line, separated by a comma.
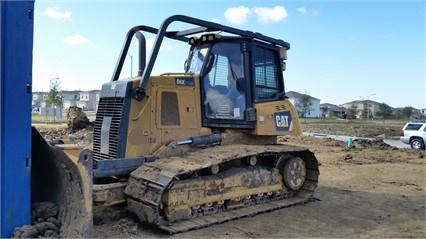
[(36, 118)]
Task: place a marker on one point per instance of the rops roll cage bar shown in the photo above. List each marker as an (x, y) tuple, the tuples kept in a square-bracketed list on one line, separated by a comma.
[(144, 71)]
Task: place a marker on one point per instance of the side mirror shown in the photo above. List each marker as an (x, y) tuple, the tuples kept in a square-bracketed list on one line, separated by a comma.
[(283, 65), (185, 65)]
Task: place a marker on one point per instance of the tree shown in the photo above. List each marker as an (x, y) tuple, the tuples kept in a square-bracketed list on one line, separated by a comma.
[(54, 98), (324, 110), (304, 105), (353, 110), (407, 112), (384, 111)]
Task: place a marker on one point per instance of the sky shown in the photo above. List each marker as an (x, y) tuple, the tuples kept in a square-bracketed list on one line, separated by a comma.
[(341, 51)]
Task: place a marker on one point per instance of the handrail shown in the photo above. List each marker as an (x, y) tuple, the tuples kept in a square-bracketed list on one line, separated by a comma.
[(202, 26)]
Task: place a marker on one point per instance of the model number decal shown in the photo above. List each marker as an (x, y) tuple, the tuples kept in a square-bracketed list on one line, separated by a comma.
[(185, 81), (282, 121)]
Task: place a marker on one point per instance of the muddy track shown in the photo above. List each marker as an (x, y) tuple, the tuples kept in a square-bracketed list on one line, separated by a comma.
[(258, 188)]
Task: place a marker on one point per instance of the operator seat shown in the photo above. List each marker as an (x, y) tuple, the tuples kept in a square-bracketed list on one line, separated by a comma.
[(221, 89)]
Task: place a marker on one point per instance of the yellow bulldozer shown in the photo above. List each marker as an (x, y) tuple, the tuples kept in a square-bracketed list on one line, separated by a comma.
[(185, 150)]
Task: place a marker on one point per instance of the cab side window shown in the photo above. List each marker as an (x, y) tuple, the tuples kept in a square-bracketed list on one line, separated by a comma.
[(266, 73)]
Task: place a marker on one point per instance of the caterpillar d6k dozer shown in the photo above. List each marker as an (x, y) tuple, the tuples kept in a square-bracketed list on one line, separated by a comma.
[(200, 147)]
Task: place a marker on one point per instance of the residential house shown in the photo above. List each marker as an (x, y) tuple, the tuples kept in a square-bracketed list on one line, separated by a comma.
[(399, 110), (70, 98), (313, 112), (422, 114), (89, 100), (365, 107), (38, 98), (416, 114), (417, 111), (333, 110)]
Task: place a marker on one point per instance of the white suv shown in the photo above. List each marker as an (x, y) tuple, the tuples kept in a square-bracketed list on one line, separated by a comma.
[(414, 134)]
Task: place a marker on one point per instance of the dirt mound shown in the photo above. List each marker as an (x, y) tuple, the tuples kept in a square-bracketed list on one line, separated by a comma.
[(336, 152), (375, 143), (66, 135), (77, 119), (44, 222), (79, 129), (309, 141)]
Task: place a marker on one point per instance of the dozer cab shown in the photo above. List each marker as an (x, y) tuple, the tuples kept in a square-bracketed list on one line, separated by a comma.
[(187, 150)]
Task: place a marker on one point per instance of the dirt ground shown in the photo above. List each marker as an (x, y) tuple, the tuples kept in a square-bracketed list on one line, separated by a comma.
[(349, 128), (371, 190)]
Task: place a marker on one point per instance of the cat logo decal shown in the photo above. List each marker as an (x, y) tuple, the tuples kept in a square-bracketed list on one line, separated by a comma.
[(283, 121)]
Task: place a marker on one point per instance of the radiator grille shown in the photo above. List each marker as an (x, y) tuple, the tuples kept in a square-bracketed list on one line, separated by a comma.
[(111, 107)]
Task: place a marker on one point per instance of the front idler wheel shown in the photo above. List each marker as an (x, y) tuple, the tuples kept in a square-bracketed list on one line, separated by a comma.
[(294, 173)]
